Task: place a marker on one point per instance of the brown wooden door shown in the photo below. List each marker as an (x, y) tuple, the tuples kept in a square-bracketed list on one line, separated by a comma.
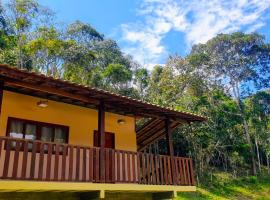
[(109, 144)]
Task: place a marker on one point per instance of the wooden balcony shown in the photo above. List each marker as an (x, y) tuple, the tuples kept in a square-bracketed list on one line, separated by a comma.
[(44, 161)]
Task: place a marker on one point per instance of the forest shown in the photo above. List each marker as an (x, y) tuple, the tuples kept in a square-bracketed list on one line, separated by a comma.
[(227, 79)]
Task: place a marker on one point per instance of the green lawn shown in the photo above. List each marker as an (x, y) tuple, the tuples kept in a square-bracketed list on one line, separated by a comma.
[(224, 186)]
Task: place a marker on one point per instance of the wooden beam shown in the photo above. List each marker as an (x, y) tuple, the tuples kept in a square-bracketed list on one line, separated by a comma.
[(101, 131), (50, 90)]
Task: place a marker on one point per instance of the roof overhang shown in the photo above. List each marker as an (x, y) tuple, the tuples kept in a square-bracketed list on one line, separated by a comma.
[(42, 86)]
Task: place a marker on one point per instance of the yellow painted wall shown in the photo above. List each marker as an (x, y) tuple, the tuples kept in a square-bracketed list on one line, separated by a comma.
[(81, 121)]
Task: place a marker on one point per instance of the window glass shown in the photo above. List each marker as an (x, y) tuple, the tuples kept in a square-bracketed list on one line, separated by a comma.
[(16, 129), (47, 134), (30, 131), (60, 135)]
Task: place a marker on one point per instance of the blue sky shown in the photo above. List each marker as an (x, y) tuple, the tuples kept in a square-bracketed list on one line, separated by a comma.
[(150, 30)]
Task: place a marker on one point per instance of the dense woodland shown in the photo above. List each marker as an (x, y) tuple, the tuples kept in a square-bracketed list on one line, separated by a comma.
[(227, 79)]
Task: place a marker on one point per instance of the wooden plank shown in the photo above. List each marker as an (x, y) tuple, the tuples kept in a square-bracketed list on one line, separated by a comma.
[(70, 164), (165, 170), (90, 164), (97, 166), (124, 165), (49, 159), (16, 159), (133, 167), (187, 170), (113, 165), (192, 172), (118, 165), (24, 162), (184, 171), (56, 162), (139, 167), (181, 171), (144, 170), (7, 157), (154, 176), (169, 170), (33, 160), (64, 160), (84, 165), (148, 168), (77, 177), (157, 170), (128, 168), (41, 161), (107, 165), (161, 170), (177, 179)]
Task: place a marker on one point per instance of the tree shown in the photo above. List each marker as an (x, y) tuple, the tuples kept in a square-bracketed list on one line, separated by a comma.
[(238, 62)]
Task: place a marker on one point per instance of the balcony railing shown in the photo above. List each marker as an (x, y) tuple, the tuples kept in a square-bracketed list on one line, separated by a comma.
[(44, 161)]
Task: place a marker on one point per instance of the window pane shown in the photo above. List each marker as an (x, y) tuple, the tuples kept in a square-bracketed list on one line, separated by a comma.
[(60, 135), (30, 132), (16, 129), (47, 134)]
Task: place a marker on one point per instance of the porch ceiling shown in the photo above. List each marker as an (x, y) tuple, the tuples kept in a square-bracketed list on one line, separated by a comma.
[(42, 86)]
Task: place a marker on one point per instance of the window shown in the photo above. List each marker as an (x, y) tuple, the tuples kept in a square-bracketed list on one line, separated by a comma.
[(32, 130)]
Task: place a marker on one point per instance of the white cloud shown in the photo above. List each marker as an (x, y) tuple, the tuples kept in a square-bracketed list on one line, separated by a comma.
[(199, 20)]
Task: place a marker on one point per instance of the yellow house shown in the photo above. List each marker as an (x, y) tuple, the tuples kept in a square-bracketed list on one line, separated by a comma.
[(59, 136)]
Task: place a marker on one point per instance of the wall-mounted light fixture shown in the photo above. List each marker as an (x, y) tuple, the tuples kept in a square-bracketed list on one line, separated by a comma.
[(42, 103), (121, 121)]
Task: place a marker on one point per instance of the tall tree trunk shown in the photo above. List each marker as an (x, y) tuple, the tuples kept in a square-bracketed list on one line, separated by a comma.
[(267, 161), (246, 129), (258, 154)]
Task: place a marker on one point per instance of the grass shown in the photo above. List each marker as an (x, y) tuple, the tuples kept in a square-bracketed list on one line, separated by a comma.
[(223, 186)]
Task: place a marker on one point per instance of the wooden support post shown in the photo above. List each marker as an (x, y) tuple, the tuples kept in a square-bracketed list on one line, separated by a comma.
[(169, 142), (101, 131)]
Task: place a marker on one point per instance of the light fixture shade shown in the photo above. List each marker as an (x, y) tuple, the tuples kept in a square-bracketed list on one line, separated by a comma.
[(121, 121), (42, 103)]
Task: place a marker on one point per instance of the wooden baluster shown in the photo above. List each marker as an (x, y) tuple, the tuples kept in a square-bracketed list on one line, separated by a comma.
[(107, 166), (123, 165), (56, 162), (97, 165), (139, 167), (176, 171), (184, 171), (148, 169), (144, 170), (165, 170), (181, 171), (77, 163), (118, 165), (128, 168), (25, 156), (7, 157), (169, 170), (16, 159), (49, 159), (91, 165), (41, 161), (161, 170), (70, 164), (133, 167), (33, 160), (187, 170), (192, 172), (64, 160), (153, 170), (157, 170), (84, 165), (113, 165), (1, 141)]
